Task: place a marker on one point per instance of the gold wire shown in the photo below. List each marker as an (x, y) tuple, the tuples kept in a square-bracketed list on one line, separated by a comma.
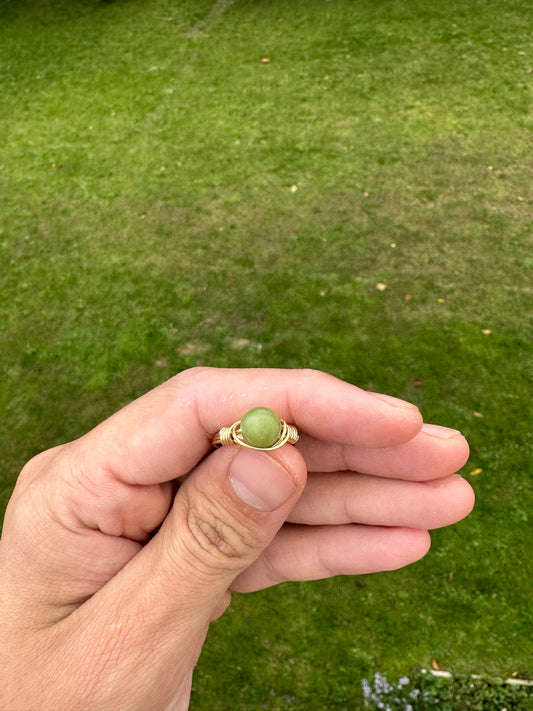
[(233, 435)]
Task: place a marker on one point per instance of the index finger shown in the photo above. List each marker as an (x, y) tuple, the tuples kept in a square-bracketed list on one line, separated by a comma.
[(164, 434)]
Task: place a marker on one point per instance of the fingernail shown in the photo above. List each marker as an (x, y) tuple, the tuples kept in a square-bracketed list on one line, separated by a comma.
[(260, 481), (438, 431), (394, 400)]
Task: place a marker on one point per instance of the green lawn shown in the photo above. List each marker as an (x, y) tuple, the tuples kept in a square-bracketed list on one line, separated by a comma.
[(168, 199)]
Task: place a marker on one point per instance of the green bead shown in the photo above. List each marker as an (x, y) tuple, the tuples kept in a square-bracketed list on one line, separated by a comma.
[(260, 427)]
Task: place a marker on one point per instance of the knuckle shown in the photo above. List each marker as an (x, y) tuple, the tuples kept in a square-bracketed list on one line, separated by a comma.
[(217, 539), (311, 377), (36, 466), (310, 373), (213, 535)]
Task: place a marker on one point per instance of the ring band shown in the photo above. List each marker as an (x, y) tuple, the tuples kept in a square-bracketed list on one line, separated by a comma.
[(228, 436)]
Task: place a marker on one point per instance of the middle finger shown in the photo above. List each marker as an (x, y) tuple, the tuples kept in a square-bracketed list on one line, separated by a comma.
[(433, 453), (348, 497)]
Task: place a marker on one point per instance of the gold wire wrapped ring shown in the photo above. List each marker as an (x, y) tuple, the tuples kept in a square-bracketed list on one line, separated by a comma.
[(260, 429)]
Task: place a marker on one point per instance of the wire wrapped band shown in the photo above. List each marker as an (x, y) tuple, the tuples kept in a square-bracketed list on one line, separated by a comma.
[(228, 436)]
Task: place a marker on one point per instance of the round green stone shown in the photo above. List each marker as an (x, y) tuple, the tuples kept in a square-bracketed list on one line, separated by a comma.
[(260, 427)]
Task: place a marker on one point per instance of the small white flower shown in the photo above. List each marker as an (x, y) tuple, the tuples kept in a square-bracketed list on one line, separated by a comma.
[(367, 690)]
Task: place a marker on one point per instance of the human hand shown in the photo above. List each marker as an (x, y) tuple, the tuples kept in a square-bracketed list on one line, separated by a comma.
[(110, 578)]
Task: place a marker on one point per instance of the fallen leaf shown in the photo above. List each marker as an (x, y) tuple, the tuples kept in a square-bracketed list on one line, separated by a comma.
[(478, 414), (486, 331), (265, 60), (476, 471), (380, 286), (366, 194), (416, 382), (408, 297), (434, 665), (441, 301)]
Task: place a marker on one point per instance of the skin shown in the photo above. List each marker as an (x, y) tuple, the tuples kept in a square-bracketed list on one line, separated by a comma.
[(119, 548)]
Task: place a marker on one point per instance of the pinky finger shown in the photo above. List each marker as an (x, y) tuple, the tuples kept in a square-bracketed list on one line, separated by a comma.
[(316, 552)]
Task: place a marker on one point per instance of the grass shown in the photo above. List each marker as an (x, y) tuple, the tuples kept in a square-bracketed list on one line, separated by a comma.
[(169, 199)]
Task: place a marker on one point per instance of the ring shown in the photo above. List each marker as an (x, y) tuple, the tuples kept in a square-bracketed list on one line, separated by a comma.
[(259, 428)]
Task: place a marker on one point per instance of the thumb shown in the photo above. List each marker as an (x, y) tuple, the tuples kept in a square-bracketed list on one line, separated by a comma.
[(224, 515), (154, 613)]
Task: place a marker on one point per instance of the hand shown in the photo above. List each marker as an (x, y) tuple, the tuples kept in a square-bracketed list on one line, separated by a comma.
[(119, 548)]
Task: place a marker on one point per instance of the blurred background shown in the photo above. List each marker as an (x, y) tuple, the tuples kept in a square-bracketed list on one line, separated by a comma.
[(342, 185)]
